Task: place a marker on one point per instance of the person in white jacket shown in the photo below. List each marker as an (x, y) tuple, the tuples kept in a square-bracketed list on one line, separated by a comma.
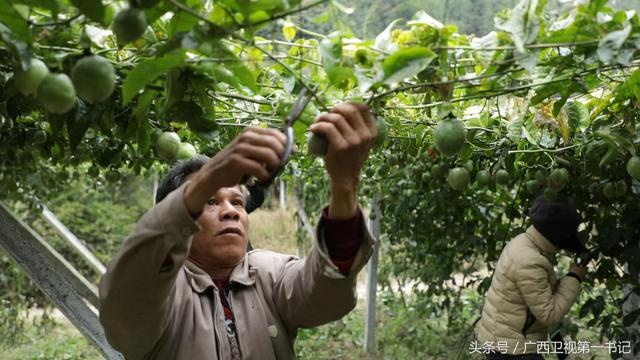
[(525, 299)]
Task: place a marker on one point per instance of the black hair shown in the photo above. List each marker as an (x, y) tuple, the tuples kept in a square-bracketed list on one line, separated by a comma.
[(178, 175)]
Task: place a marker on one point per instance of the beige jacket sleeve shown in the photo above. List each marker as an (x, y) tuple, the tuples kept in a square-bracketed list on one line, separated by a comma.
[(547, 306), (137, 292), (312, 292)]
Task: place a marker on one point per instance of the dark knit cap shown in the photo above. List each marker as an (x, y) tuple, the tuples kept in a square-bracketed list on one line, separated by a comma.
[(558, 221)]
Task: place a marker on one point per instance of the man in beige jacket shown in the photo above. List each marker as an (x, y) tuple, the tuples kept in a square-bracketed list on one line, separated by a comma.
[(183, 285), (525, 298)]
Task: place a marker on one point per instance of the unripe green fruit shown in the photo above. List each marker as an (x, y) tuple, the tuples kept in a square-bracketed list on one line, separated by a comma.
[(168, 145), (550, 195), (620, 188), (370, 172), (383, 132), (28, 81), (438, 170), (426, 176), (318, 144), (187, 151), (458, 178), (112, 175), (468, 165), (483, 178), (449, 136), (541, 178), (94, 78), (57, 94), (129, 25), (633, 167), (559, 176), (532, 186), (609, 190), (502, 177)]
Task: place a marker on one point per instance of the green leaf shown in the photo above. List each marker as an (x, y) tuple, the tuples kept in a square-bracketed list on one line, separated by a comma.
[(609, 46), (147, 71), (11, 22), (144, 102), (51, 5), (289, 31), (340, 75), (222, 74), (405, 63), (93, 9), (81, 121), (154, 13), (522, 24), (331, 51), (143, 137), (181, 22), (578, 115)]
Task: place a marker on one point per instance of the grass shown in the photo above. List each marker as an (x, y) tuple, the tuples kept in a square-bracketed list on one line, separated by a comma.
[(273, 229), (54, 340)]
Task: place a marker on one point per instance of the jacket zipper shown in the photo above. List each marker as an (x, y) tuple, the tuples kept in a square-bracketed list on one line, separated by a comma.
[(235, 322), (215, 323)]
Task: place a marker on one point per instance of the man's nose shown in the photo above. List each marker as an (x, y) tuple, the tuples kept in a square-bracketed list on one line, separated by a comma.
[(229, 212)]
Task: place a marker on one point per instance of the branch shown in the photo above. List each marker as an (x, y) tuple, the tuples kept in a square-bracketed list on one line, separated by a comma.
[(55, 23), (234, 36), (245, 98), (285, 14), (486, 94), (530, 46), (287, 43), (542, 150)]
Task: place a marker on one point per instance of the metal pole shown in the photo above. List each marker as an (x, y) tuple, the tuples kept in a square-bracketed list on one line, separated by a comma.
[(155, 188), (372, 281), (73, 240), (62, 284), (282, 193)]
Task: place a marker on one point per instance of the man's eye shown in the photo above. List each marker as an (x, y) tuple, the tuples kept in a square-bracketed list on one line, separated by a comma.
[(212, 202), (238, 203)]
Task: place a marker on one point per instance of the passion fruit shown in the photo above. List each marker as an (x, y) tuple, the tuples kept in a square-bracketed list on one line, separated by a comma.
[(187, 151), (483, 178), (56, 93), (502, 177), (449, 136), (318, 144), (168, 145), (129, 25), (633, 167), (94, 78), (458, 178), (28, 81)]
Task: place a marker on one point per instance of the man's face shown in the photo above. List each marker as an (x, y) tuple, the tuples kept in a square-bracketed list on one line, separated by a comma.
[(222, 239)]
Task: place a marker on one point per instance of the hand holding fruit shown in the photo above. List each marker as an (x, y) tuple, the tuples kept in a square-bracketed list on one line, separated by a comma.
[(581, 271), (255, 152), (350, 131)]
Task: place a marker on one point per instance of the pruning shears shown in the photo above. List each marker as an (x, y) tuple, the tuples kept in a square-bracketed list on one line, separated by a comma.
[(257, 189)]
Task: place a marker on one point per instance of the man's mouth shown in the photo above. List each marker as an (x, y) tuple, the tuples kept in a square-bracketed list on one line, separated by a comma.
[(230, 230)]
